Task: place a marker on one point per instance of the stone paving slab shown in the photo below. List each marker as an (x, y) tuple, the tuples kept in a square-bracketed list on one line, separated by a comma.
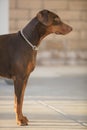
[(45, 115)]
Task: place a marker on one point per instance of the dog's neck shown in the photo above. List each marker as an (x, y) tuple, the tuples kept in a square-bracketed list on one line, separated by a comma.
[(35, 31)]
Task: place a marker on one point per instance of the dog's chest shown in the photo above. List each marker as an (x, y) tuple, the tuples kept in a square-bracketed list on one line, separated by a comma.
[(31, 64)]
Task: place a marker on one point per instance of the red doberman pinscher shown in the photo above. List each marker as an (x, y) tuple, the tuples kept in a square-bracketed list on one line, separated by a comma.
[(18, 53)]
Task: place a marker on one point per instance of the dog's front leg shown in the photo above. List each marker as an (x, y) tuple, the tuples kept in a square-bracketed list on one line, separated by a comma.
[(19, 87)]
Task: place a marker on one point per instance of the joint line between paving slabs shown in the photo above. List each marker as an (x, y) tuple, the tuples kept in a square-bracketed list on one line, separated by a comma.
[(65, 115)]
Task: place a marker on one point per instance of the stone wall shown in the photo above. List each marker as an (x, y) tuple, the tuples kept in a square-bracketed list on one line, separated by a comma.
[(69, 49)]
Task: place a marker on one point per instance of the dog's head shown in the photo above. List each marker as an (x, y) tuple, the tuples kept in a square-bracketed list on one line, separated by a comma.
[(53, 22)]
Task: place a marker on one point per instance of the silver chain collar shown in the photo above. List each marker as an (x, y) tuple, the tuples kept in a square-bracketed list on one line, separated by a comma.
[(33, 46)]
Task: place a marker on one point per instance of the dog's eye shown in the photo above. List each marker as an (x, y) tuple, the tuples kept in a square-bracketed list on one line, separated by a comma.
[(56, 21)]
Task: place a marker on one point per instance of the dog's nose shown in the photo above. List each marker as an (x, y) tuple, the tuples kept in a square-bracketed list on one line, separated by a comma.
[(70, 29), (66, 28)]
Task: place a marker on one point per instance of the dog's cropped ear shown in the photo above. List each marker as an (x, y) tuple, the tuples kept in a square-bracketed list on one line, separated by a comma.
[(44, 17)]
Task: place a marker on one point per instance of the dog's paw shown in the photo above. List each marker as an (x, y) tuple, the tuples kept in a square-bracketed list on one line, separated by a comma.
[(22, 121)]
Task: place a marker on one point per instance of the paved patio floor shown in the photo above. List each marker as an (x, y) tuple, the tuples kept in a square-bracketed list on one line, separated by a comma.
[(53, 101)]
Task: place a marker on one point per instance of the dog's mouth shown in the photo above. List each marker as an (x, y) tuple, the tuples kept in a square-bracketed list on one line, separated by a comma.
[(58, 33), (65, 30)]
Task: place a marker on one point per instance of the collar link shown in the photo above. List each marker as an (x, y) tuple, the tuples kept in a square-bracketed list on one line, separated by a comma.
[(35, 48)]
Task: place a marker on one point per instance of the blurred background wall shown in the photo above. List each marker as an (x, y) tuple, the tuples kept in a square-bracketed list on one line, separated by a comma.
[(55, 50), (4, 16)]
